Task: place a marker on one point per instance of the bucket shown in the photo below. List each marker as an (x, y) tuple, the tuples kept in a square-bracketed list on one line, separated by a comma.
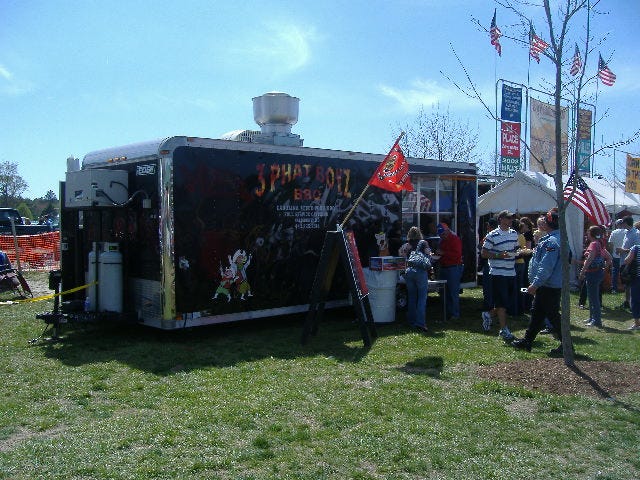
[(382, 294)]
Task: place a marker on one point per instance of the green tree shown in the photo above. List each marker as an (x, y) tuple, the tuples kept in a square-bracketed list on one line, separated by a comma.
[(24, 211), (12, 185), (50, 196)]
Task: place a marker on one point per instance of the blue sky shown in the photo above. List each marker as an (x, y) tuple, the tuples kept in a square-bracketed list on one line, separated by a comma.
[(78, 76)]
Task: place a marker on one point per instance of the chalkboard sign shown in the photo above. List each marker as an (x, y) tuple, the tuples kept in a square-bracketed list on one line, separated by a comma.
[(340, 245)]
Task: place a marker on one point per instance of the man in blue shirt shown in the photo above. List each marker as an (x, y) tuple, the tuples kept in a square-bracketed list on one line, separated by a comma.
[(545, 283)]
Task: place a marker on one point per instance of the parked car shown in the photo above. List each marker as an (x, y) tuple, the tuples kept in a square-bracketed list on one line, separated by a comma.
[(7, 214)]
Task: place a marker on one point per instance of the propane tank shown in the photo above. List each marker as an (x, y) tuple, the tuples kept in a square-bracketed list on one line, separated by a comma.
[(110, 278), (90, 301)]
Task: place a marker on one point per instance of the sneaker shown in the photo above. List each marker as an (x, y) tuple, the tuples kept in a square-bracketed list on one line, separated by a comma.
[(546, 331), (486, 321), (594, 324), (582, 307), (522, 344), (634, 327), (506, 335)]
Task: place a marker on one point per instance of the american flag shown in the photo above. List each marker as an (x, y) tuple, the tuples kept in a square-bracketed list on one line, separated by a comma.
[(604, 74), (495, 34), (584, 198), (536, 45), (577, 62)]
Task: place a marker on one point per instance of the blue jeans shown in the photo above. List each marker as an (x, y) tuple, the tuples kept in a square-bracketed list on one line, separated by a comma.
[(452, 275), (615, 269), (594, 279), (635, 297), (417, 282)]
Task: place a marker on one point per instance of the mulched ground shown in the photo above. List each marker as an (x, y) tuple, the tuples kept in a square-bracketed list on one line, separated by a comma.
[(599, 379)]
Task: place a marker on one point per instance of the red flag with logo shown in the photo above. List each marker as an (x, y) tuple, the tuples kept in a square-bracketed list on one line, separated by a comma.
[(393, 173)]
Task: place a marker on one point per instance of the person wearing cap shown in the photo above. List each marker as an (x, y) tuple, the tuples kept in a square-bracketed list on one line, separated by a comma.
[(616, 239), (545, 283), (450, 251), (499, 248)]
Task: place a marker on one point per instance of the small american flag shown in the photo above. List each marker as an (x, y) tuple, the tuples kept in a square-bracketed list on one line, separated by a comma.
[(495, 34), (607, 77), (584, 198), (536, 45), (577, 63)]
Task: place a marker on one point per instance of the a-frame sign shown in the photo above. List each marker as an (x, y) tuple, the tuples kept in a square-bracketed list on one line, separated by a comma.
[(340, 245)]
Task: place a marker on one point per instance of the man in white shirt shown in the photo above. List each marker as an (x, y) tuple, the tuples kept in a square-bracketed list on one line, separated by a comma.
[(500, 247), (616, 239), (631, 238)]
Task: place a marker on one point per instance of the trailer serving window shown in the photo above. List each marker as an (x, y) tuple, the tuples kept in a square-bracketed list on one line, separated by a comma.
[(432, 201)]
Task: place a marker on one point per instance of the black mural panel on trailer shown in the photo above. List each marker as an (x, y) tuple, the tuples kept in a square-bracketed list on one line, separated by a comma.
[(249, 226)]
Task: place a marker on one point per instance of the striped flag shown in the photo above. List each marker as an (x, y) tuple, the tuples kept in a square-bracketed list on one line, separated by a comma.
[(495, 35), (584, 198), (607, 77), (536, 45), (577, 62)]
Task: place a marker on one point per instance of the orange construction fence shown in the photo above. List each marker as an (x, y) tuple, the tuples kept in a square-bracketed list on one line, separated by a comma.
[(37, 252)]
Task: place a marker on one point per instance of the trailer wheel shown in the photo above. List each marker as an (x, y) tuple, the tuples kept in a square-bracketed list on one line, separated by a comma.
[(401, 297)]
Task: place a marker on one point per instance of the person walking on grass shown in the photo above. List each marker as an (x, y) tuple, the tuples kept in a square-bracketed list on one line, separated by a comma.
[(499, 248), (634, 286), (597, 260), (545, 283)]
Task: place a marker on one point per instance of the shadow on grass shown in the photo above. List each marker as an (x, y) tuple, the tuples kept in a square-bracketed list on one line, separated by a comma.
[(601, 391), (430, 366), (162, 352)]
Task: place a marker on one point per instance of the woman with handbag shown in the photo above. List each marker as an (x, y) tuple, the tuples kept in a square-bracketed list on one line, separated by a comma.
[(416, 277), (597, 260), (633, 260)]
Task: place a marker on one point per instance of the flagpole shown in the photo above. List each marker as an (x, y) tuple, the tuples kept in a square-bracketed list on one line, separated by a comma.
[(355, 204), (526, 108)]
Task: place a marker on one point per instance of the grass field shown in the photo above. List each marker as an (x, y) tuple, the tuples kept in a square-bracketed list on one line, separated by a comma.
[(247, 401)]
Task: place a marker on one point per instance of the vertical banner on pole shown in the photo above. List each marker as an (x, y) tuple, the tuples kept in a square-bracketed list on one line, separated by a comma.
[(632, 183), (510, 128), (583, 156), (542, 137)]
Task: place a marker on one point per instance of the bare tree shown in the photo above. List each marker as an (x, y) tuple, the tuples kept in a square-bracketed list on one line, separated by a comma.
[(11, 184), (558, 27), (438, 136)]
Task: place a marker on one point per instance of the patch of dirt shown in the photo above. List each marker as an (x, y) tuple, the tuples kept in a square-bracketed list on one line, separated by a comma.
[(599, 379)]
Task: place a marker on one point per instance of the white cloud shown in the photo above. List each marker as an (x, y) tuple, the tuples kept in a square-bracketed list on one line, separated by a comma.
[(428, 93), (4, 73), (285, 47)]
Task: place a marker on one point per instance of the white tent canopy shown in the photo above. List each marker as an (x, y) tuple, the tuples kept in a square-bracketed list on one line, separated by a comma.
[(533, 192)]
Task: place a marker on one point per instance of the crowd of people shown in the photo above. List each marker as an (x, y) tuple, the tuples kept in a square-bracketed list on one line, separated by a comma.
[(522, 273)]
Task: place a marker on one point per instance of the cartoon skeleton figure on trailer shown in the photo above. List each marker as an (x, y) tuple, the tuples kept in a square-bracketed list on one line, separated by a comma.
[(383, 244), (239, 263), (227, 280)]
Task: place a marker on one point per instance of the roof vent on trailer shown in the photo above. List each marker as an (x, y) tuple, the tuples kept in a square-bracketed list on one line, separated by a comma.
[(276, 113)]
